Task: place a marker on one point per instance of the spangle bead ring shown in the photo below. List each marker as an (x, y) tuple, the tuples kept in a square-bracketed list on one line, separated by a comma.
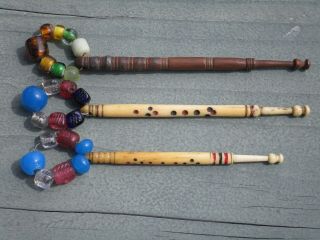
[(38, 51), (33, 163)]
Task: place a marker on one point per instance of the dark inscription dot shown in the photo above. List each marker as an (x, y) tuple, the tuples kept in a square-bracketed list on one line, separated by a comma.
[(150, 162), (196, 112), (207, 115), (185, 112), (184, 163), (173, 113), (191, 160), (148, 115), (198, 163), (150, 108), (162, 163), (141, 162), (175, 163), (136, 111), (155, 113), (135, 159)]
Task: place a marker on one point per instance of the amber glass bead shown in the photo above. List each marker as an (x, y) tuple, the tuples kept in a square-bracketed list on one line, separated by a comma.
[(58, 31), (67, 138), (46, 63), (37, 48), (46, 31)]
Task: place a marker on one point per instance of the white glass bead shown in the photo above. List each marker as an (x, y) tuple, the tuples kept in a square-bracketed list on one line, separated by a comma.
[(80, 47), (51, 86), (43, 179), (47, 140), (39, 120)]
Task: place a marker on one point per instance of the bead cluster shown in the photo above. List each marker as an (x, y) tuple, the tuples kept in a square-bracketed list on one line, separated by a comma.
[(33, 163), (37, 49), (35, 98)]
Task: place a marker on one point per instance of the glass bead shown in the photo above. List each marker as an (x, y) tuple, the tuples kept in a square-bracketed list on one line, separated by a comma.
[(46, 31), (33, 99), (80, 164), (80, 47), (36, 48), (81, 96), (46, 63), (58, 32), (74, 118), (84, 147), (57, 69), (67, 138), (63, 173), (32, 162), (71, 73), (47, 140), (51, 86), (67, 88), (43, 179), (39, 120), (57, 121), (69, 35)]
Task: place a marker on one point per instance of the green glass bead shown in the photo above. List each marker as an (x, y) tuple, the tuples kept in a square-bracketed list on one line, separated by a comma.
[(70, 34), (57, 69), (71, 73)]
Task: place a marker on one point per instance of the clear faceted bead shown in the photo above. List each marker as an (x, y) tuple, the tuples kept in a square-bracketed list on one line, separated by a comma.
[(51, 86), (39, 120), (44, 179), (47, 140)]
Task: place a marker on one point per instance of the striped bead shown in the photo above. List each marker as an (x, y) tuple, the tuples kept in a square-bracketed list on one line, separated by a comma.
[(81, 96), (67, 138), (74, 119), (63, 173), (57, 121)]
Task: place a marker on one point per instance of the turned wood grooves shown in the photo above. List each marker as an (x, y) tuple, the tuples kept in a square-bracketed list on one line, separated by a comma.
[(144, 64)]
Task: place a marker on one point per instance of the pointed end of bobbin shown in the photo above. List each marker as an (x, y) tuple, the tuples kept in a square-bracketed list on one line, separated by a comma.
[(301, 65), (275, 158), (300, 111)]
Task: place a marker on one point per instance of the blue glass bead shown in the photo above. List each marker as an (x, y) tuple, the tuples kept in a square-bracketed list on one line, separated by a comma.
[(80, 164), (32, 161), (81, 96), (33, 99), (84, 147), (74, 119)]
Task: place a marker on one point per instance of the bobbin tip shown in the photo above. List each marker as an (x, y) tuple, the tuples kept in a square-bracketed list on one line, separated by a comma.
[(301, 65), (275, 158), (301, 111)]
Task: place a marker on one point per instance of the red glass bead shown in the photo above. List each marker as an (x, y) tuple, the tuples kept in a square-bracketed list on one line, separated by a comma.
[(37, 48), (63, 173), (67, 138), (67, 88), (57, 121)]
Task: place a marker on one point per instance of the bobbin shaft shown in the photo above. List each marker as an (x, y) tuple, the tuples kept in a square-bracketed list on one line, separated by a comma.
[(138, 64), (179, 158), (166, 111)]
